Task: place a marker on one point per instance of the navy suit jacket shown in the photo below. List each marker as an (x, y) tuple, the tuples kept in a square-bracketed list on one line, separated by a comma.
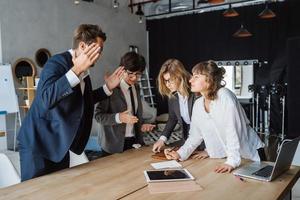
[(57, 110)]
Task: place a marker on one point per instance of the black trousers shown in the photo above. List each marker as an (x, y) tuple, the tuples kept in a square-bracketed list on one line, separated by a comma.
[(128, 142), (262, 155)]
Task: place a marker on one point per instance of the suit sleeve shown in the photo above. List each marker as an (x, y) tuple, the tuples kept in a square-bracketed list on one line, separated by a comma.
[(102, 114), (53, 85), (99, 94), (172, 121)]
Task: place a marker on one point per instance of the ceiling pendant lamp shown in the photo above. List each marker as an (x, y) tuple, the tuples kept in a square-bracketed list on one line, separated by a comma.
[(267, 13), (139, 10), (115, 4), (140, 13), (215, 1), (242, 33), (230, 12)]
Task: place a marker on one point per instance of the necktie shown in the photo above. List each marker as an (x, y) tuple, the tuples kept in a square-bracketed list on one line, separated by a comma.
[(135, 128), (132, 100)]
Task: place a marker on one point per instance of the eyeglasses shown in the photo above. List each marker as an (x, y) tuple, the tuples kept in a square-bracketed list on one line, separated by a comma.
[(169, 81), (132, 74)]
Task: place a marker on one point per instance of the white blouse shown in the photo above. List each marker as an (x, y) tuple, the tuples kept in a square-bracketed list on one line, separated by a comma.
[(184, 108), (225, 130)]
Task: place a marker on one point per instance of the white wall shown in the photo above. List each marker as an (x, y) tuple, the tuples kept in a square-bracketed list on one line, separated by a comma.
[(0, 45), (28, 25)]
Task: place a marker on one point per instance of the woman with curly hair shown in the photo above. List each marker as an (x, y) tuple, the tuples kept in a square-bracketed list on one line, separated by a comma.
[(224, 126)]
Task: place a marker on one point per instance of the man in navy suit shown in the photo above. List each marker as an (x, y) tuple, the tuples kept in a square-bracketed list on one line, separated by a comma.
[(60, 117)]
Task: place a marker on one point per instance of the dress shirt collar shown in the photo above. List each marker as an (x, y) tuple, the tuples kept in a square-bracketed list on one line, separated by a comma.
[(124, 85), (184, 98)]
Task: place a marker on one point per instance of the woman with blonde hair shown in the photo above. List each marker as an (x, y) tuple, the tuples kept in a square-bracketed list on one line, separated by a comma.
[(224, 126), (173, 83)]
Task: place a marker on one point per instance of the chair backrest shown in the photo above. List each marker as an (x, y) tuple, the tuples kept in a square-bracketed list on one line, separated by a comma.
[(77, 159), (8, 174), (296, 160)]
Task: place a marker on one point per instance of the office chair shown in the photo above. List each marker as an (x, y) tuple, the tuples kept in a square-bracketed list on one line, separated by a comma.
[(8, 174), (77, 159)]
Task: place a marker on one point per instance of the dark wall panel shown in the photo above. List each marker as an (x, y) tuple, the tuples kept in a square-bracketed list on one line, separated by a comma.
[(198, 37), (293, 53)]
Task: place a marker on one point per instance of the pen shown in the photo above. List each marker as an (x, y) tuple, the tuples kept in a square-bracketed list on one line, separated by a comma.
[(240, 178), (167, 151), (171, 149)]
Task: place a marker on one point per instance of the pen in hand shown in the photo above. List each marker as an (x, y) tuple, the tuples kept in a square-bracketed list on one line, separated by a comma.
[(239, 178), (168, 153), (168, 150), (171, 149)]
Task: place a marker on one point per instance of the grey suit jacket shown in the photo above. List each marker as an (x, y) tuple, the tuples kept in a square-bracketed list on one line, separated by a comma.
[(112, 134), (175, 116)]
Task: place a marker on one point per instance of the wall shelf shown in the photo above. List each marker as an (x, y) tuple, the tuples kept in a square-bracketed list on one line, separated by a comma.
[(29, 91)]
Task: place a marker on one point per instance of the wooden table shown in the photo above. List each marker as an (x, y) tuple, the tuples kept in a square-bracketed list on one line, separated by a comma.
[(120, 176)]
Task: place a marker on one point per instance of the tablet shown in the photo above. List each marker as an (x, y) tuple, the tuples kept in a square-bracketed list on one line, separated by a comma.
[(168, 175)]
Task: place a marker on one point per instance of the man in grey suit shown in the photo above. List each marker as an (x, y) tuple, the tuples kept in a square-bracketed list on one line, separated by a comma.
[(120, 115)]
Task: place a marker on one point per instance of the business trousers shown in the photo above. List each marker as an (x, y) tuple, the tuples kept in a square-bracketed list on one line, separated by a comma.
[(128, 142), (35, 165)]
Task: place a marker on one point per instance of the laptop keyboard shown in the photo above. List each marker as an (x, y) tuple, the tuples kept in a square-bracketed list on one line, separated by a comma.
[(264, 172)]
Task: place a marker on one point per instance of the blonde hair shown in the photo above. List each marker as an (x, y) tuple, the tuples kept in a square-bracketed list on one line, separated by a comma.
[(214, 76), (178, 73)]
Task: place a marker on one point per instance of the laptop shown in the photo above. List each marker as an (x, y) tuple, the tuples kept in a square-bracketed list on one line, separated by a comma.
[(266, 171)]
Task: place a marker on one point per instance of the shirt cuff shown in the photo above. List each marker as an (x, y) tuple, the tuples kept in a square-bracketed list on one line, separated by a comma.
[(117, 118), (233, 163), (106, 90), (181, 155), (72, 78), (163, 138)]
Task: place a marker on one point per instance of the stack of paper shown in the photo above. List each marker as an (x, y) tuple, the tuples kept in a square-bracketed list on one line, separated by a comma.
[(166, 165)]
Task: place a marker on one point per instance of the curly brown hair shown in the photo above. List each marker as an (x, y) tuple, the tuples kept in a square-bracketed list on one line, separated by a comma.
[(214, 76)]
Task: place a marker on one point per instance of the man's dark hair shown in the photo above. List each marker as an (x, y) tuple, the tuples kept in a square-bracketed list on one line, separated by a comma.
[(133, 62), (88, 34)]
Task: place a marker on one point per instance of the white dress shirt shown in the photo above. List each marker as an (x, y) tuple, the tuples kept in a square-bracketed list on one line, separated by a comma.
[(125, 89), (225, 130), (184, 108)]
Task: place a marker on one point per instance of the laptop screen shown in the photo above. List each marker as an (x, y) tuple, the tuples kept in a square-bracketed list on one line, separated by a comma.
[(285, 157)]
